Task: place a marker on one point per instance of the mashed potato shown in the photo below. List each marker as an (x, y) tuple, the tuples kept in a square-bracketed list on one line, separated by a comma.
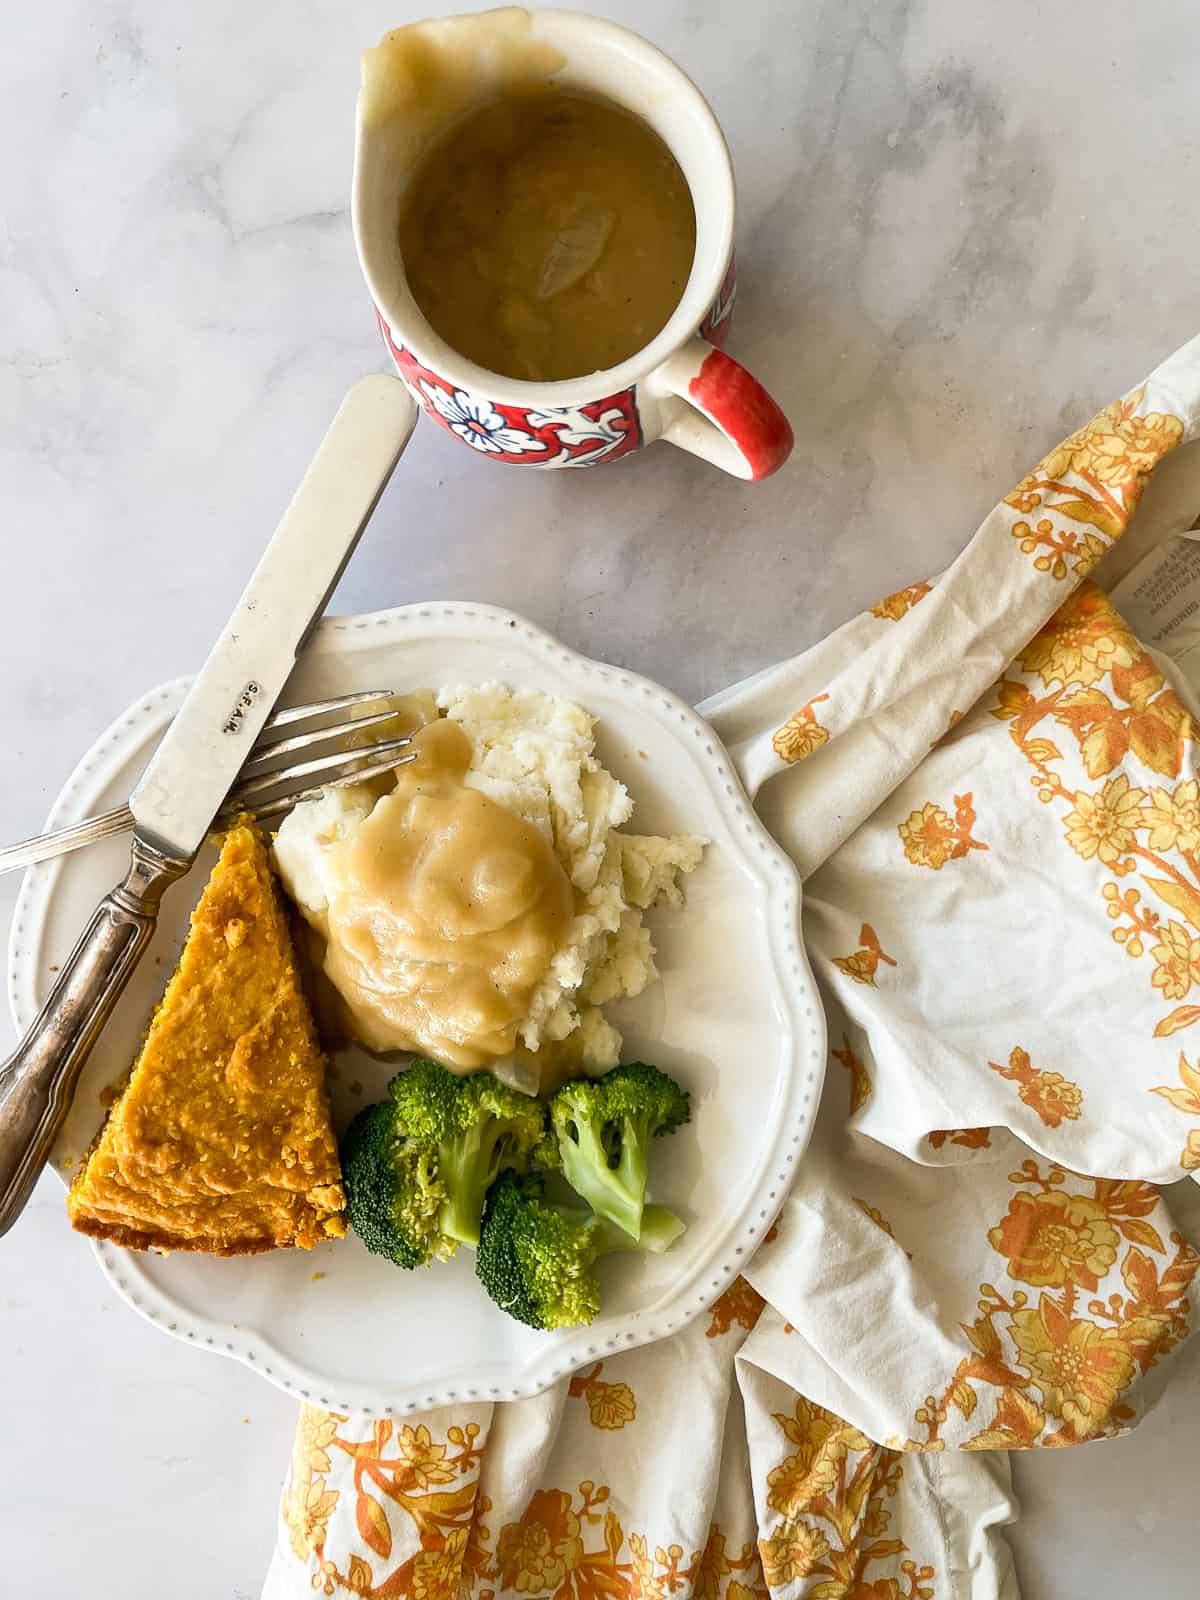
[(533, 756)]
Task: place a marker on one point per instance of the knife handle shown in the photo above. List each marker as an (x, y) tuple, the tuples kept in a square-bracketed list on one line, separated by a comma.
[(37, 1083)]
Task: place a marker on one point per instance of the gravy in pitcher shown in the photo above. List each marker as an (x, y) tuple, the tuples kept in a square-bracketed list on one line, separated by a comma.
[(547, 234)]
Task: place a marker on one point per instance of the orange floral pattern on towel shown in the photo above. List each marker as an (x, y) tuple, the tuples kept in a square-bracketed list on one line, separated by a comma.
[(574, 1547), (1077, 502), (968, 1138), (610, 1405), (864, 963), (894, 606), (419, 1520), (1071, 509), (1086, 673), (801, 734), (1187, 1100), (1110, 1298), (830, 1518), (430, 1482), (739, 1306), (860, 1078), (1055, 1098), (931, 836)]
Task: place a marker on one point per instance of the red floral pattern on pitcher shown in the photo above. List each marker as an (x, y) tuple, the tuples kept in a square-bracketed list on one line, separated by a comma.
[(562, 436)]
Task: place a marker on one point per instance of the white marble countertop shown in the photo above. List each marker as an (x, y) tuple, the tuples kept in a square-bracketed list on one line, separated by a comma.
[(962, 228)]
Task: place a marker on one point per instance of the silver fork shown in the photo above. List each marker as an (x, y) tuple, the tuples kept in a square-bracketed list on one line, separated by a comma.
[(278, 774)]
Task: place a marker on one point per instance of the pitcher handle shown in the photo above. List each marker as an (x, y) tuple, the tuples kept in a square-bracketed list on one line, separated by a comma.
[(716, 409)]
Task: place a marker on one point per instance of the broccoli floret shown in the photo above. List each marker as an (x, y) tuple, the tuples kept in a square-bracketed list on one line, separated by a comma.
[(537, 1261), (417, 1167), (604, 1128), (545, 1157), (392, 1190), (494, 1129)]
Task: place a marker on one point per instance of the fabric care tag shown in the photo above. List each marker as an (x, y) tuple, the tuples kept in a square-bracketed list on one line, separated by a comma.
[(1160, 600)]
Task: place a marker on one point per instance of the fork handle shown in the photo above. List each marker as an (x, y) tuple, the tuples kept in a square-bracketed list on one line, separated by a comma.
[(37, 1083), (60, 841)]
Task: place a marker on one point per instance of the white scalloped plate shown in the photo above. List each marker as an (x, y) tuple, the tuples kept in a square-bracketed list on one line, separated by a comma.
[(736, 1018)]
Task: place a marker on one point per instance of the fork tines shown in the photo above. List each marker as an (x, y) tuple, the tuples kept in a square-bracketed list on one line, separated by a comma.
[(360, 767), (320, 708), (335, 768), (269, 752), (272, 780)]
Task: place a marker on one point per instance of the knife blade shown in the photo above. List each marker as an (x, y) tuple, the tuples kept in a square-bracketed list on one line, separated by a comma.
[(214, 731)]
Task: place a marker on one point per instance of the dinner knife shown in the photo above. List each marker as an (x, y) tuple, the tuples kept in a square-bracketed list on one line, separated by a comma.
[(197, 762)]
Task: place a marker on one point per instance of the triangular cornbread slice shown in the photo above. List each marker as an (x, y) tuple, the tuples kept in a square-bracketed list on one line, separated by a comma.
[(221, 1140)]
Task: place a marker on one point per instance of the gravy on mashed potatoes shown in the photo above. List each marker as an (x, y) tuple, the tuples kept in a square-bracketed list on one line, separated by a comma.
[(444, 912), (484, 909)]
